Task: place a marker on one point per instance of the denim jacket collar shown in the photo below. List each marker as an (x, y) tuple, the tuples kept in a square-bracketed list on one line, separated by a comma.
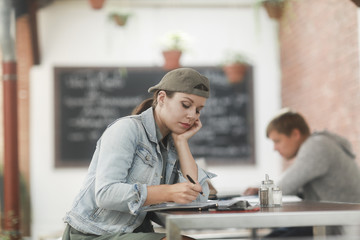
[(148, 120)]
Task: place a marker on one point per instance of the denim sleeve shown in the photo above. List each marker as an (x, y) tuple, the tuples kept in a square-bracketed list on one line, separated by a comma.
[(116, 153), (203, 176)]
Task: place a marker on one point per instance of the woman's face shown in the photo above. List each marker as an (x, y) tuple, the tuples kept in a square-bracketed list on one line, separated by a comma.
[(178, 113)]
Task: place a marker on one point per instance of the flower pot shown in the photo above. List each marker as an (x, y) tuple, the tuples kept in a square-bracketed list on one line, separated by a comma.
[(274, 9), (235, 72), (96, 4), (120, 20), (172, 59)]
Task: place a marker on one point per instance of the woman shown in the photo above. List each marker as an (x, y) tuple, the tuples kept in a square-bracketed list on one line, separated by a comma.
[(143, 159)]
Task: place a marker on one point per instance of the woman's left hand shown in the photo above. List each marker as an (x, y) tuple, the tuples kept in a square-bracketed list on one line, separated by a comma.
[(189, 133), (187, 161)]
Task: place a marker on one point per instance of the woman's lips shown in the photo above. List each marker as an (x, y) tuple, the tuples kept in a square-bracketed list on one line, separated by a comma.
[(185, 125)]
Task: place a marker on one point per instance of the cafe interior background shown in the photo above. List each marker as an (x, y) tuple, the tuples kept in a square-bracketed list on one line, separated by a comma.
[(307, 59)]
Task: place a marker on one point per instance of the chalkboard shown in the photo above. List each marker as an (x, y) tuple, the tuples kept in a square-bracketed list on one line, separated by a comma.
[(87, 99)]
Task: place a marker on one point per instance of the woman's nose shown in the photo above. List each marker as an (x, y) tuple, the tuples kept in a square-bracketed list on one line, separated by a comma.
[(191, 114)]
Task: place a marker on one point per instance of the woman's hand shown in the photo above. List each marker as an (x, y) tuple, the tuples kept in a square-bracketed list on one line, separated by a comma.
[(187, 161), (185, 192), (189, 133)]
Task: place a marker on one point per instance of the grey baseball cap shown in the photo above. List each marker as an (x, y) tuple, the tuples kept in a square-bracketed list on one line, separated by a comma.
[(186, 80)]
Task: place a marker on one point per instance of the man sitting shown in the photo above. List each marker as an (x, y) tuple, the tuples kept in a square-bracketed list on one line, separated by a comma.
[(324, 169)]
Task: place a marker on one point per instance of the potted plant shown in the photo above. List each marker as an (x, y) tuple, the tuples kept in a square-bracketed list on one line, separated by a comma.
[(174, 44), (274, 8), (235, 67), (119, 18), (96, 4)]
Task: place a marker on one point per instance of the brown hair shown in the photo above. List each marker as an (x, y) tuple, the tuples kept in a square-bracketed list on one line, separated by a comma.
[(286, 122), (150, 102)]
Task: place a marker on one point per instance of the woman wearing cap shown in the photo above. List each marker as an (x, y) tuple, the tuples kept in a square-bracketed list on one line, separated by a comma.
[(143, 159)]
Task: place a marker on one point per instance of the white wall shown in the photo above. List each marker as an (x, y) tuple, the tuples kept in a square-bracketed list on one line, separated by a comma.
[(72, 34)]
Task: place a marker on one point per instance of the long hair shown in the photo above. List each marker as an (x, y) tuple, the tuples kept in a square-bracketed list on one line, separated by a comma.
[(150, 102)]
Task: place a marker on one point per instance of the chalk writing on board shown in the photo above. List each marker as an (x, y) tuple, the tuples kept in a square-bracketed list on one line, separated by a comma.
[(89, 99)]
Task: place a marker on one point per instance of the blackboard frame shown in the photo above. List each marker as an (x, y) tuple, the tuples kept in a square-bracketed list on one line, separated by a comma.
[(60, 73)]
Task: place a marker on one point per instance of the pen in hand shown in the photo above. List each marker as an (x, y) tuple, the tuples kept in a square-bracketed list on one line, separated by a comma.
[(193, 182)]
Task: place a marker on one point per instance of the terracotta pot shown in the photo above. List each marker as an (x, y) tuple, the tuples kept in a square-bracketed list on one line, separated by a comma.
[(172, 59), (120, 20), (274, 9), (96, 4), (235, 72)]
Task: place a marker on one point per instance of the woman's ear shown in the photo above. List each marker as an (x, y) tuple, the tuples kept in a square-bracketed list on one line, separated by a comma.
[(161, 97)]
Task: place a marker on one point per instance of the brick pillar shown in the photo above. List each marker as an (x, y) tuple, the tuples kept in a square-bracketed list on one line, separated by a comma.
[(11, 167), (320, 65), (24, 62)]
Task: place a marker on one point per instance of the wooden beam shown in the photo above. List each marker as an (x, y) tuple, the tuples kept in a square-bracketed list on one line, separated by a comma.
[(11, 165), (32, 10)]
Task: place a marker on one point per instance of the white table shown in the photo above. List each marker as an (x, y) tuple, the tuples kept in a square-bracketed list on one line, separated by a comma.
[(316, 214)]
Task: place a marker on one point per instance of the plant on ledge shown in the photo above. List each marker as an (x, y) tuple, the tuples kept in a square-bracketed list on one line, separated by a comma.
[(119, 18), (174, 44), (274, 8), (235, 66), (96, 4)]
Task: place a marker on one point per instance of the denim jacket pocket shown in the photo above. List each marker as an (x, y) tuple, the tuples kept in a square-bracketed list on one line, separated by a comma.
[(105, 216), (143, 166), (145, 155)]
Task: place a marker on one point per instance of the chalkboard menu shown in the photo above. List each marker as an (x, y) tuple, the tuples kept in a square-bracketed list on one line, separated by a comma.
[(88, 99)]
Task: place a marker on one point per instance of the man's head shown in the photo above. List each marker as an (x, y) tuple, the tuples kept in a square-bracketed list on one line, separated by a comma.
[(288, 130)]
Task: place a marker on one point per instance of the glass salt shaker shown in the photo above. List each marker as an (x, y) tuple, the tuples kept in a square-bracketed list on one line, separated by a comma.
[(269, 184), (277, 196), (264, 196)]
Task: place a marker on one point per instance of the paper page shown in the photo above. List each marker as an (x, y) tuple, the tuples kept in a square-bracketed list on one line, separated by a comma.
[(175, 206)]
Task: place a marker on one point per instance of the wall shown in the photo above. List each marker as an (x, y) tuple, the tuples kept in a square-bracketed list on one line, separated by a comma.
[(320, 65), (72, 34)]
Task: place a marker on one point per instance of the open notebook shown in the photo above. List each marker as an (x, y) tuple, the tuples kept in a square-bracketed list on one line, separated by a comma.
[(236, 203), (175, 206), (230, 204)]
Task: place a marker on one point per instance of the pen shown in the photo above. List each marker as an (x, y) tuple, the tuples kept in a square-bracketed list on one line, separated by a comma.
[(193, 182)]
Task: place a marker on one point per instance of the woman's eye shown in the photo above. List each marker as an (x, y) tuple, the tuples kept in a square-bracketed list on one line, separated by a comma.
[(185, 106)]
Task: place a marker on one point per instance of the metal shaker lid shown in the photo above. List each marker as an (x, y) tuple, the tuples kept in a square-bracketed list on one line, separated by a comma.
[(267, 180)]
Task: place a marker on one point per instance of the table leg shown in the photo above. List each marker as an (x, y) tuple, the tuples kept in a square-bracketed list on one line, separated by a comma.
[(172, 231), (319, 232), (253, 233)]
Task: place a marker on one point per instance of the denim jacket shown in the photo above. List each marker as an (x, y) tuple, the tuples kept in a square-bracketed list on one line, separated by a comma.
[(127, 159)]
